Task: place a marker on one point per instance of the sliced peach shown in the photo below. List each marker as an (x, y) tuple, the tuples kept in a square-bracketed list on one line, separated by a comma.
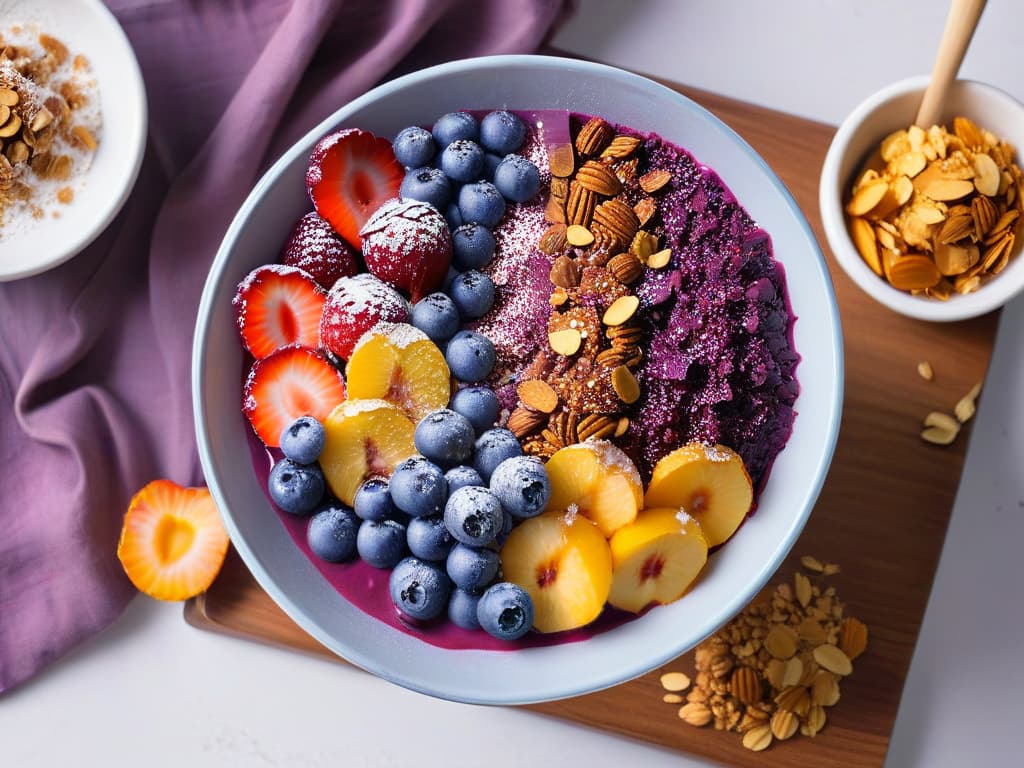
[(399, 363), (173, 541), (563, 562), (599, 481), (364, 439), (655, 559), (708, 482)]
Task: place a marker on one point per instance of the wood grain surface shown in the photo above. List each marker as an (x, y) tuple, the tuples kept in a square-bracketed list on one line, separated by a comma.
[(882, 513)]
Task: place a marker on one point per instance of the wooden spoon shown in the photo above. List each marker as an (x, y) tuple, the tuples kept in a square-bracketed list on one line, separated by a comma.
[(960, 24)]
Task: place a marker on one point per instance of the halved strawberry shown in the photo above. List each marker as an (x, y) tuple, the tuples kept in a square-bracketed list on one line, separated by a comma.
[(278, 305), (292, 381), (351, 173), (173, 542)]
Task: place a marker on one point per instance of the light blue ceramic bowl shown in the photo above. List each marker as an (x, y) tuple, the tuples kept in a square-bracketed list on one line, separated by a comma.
[(733, 575)]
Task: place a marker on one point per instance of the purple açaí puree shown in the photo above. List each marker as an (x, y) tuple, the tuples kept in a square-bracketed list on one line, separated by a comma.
[(719, 363)]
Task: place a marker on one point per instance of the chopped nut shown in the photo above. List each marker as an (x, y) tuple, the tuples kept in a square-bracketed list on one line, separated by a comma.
[(654, 180), (924, 370)]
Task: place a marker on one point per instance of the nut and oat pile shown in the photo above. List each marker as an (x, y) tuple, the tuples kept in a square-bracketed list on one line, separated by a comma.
[(935, 212), (49, 121), (598, 206), (776, 668)]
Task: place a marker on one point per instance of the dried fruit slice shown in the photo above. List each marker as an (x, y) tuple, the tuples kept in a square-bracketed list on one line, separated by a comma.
[(364, 439), (598, 481), (655, 559), (564, 563), (708, 482), (173, 542), (399, 363)]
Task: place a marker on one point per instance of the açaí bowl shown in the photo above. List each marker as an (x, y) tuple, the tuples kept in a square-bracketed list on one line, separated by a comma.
[(733, 575)]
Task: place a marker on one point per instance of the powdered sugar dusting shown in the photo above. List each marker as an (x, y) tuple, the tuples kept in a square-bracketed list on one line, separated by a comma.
[(357, 296), (399, 335), (613, 457), (355, 407), (682, 517)]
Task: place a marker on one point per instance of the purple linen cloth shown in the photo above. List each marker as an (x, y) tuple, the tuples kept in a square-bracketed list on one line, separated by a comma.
[(95, 355)]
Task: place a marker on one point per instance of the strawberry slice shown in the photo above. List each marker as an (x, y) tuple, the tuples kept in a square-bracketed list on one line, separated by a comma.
[(292, 381), (173, 542), (278, 305), (351, 173)]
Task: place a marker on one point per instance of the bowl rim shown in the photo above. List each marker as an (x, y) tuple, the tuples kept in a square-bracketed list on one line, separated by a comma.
[(541, 691), (992, 296), (136, 135)]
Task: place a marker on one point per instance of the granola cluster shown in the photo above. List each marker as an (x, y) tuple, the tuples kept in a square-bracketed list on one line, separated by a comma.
[(48, 118), (775, 669), (582, 383)]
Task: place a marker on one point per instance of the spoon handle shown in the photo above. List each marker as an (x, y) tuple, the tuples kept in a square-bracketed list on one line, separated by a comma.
[(963, 18)]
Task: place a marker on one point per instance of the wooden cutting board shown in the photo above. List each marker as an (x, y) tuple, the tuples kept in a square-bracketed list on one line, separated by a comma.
[(882, 513)]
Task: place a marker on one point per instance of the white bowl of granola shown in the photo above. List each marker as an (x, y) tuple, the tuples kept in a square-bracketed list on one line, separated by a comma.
[(73, 129), (993, 270)]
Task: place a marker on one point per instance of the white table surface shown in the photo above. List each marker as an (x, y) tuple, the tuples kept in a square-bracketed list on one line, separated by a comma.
[(152, 691)]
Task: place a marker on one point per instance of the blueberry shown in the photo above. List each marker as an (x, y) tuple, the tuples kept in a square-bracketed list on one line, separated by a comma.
[(455, 126), (507, 524), (418, 589), (491, 163), (445, 437), (481, 202), (462, 609), (473, 516), (414, 147), (296, 488), (428, 538), (472, 568), (332, 532), (516, 178), (418, 487), (452, 274), (521, 485), (462, 160), (505, 611), (302, 441), (453, 216), (428, 185), (470, 356), (373, 500), (473, 294), (437, 316), (479, 404), (473, 246), (381, 543), (492, 448), (502, 132), (462, 476)]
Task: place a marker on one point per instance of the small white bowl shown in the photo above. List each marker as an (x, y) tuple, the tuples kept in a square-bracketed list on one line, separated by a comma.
[(892, 108), (734, 574), (86, 27)]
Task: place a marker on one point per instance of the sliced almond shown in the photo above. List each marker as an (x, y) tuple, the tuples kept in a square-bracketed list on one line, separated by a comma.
[(945, 189), (825, 689), (955, 259), (902, 189), (561, 160), (565, 342), (924, 370), (578, 235), (986, 174), (5, 113), (940, 429), (802, 587), (621, 426), (8, 97), (793, 672), (659, 259), (811, 563), (910, 164), (538, 395), (672, 698), (11, 127), (625, 384), (758, 738), (864, 239), (781, 642), (965, 409), (620, 310), (867, 197), (914, 272), (675, 681), (833, 659)]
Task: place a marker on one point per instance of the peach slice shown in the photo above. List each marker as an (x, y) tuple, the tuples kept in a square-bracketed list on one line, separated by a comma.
[(173, 542), (399, 363), (599, 481), (708, 482), (563, 562), (365, 438), (655, 559)]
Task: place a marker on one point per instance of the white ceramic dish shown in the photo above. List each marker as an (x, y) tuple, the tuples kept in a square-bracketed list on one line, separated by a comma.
[(733, 575), (87, 27), (890, 109)]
